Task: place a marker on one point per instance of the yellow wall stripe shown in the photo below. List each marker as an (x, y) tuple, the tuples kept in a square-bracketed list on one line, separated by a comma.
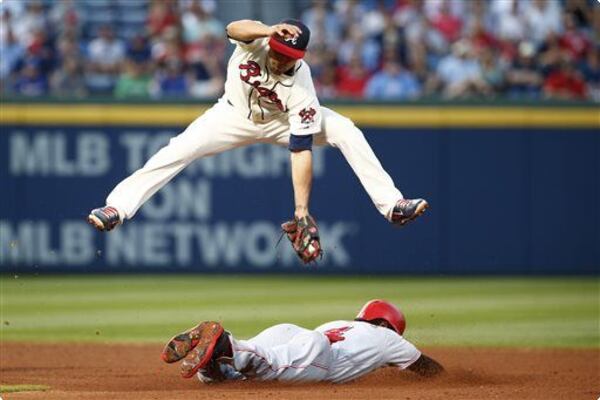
[(375, 116)]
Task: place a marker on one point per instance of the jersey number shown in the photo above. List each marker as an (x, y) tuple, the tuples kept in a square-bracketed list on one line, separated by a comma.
[(336, 334)]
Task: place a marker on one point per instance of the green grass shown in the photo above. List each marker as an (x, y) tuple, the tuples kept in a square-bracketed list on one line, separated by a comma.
[(546, 312), (23, 388)]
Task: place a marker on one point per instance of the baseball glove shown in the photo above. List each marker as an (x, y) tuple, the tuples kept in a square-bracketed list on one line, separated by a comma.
[(303, 233)]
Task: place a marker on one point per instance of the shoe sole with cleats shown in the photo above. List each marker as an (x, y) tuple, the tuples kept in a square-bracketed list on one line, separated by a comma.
[(204, 336)]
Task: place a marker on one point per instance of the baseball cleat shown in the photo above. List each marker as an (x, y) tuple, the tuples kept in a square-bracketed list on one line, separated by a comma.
[(205, 342), (406, 210), (104, 218), (207, 353)]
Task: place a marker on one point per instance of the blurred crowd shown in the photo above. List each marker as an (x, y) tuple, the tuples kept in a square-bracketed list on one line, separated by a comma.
[(360, 49)]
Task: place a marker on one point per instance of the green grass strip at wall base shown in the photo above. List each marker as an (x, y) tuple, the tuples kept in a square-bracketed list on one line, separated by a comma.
[(522, 312)]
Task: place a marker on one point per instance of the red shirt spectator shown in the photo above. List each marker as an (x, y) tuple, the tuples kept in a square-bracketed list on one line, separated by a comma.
[(573, 41), (352, 79), (565, 83), (447, 24), (481, 38), (161, 16), (575, 44)]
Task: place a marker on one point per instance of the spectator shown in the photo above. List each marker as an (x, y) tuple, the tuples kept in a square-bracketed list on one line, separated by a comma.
[(393, 82), (352, 79), (582, 12), (105, 55), (423, 44), (590, 70), (12, 51), (542, 18), (551, 54), (170, 81), (65, 16), (206, 79), (573, 40), (565, 83), (210, 48), (390, 38), (324, 25), (67, 47), (510, 24), (197, 24), (6, 25), (447, 24), (348, 14), (30, 80), (43, 49), (318, 59), (460, 73), (433, 8), (492, 71), (138, 50), (476, 28), (133, 82), (524, 78), (326, 86), (373, 21), (368, 50), (68, 80), (480, 15), (168, 48), (162, 16), (33, 20)]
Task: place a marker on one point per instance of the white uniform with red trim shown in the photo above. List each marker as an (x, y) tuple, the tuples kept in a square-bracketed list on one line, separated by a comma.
[(258, 106), (290, 353), (365, 347)]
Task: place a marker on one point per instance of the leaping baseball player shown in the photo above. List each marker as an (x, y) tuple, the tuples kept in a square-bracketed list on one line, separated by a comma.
[(269, 98), (337, 351)]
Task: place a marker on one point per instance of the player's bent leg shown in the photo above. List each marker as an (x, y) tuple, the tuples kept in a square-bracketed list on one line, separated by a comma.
[(305, 358), (212, 354), (277, 335), (217, 130), (339, 131)]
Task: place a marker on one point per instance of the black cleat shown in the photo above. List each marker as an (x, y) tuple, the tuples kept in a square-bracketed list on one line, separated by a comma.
[(406, 210), (104, 218)]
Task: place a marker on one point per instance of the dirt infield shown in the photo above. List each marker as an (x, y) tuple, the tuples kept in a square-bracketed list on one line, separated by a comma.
[(135, 372)]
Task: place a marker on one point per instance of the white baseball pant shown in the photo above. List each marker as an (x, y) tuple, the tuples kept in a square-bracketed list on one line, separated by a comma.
[(284, 352), (223, 128)]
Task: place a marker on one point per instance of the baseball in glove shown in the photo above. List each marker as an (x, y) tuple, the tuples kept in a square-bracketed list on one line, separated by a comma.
[(303, 233)]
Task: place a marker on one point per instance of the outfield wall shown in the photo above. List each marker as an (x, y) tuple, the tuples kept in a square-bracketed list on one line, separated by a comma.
[(513, 190)]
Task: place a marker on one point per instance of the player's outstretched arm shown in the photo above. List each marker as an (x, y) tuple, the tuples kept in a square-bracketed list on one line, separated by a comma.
[(246, 30), (302, 180), (426, 366)]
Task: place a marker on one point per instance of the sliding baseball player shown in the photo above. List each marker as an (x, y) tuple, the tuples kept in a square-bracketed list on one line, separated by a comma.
[(338, 351)]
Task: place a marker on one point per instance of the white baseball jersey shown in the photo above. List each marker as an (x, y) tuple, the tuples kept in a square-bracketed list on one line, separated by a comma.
[(262, 96), (290, 353), (364, 348)]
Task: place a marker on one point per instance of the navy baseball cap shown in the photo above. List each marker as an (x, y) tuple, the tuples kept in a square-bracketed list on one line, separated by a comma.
[(291, 47)]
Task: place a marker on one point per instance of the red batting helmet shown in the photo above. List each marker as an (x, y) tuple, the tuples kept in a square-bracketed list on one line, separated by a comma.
[(381, 309)]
